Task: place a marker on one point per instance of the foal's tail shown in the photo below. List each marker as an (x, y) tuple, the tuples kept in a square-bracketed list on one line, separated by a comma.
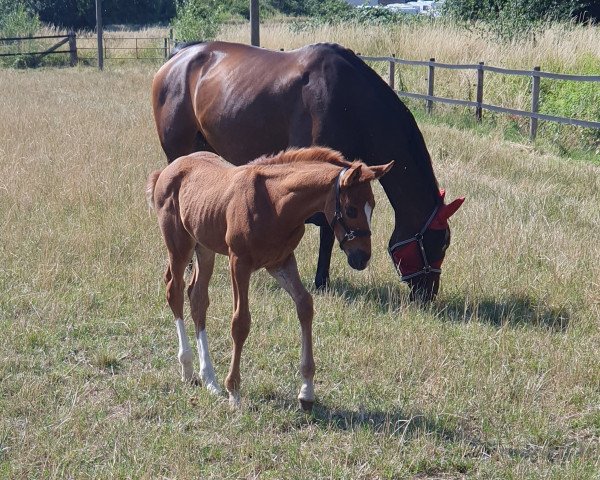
[(150, 185)]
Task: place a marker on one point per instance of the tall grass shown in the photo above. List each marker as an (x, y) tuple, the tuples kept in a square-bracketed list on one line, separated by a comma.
[(562, 48), (499, 378)]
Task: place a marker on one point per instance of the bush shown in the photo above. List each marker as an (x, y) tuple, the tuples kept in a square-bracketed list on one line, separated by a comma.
[(16, 20), (511, 19), (197, 20), (576, 100)]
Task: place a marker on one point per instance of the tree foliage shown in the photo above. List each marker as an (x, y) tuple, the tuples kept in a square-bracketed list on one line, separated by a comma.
[(17, 19), (198, 19), (507, 14), (528, 10), (82, 13), (513, 18)]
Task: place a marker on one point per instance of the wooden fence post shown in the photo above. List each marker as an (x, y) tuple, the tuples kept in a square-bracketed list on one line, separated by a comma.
[(430, 80), (99, 33), (73, 48), (535, 103), (166, 48), (254, 23), (479, 99), (392, 81)]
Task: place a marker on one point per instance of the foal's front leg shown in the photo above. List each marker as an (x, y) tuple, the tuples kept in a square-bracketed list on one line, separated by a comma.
[(240, 323), (287, 276)]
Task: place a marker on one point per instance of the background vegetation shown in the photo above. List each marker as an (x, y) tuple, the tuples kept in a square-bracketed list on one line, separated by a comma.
[(80, 14)]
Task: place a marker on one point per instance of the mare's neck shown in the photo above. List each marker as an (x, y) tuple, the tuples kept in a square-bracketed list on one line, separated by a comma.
[(413, 196)]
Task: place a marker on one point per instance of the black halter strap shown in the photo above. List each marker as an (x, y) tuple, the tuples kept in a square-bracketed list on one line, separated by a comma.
[(349, 234), (427, 268)]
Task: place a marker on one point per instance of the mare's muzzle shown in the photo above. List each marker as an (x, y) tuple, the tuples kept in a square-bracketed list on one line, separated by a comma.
[(421, 272)]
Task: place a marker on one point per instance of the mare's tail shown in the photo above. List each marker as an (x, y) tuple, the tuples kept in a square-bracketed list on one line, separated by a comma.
[(150, 185)]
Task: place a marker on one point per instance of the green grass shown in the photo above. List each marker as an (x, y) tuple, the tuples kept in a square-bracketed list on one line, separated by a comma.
[(498, 378)]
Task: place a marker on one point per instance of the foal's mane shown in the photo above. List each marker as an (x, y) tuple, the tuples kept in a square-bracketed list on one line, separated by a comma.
[(303, 155)]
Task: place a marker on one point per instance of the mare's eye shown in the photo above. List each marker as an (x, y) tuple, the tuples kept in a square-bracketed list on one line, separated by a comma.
[(351, 212)]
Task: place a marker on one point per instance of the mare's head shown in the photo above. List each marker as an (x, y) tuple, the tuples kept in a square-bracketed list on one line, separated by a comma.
[(419, 259), (349, 208)]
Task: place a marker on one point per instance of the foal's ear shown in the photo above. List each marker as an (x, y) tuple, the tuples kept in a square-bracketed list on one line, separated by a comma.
[(352, 175), (380, 170)]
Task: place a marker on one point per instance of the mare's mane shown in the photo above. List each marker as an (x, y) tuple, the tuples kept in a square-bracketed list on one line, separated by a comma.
[(183, 45), (417, 146), (313, 155)]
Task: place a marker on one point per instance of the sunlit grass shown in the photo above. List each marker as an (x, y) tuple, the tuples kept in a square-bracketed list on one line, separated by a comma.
[(499, 378)]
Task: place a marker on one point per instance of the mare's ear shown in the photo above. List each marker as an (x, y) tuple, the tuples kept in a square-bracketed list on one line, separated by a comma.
[(380, 170), (352, 175)]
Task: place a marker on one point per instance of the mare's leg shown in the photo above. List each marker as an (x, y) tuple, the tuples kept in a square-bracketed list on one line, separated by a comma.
[(288, 278), (199, 302), (327, 239), (180, 246)]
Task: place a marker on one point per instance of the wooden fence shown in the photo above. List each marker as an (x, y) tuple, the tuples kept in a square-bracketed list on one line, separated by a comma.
[(479, 105), (159, 50), (128, 48), (69, 39), (115, 48)]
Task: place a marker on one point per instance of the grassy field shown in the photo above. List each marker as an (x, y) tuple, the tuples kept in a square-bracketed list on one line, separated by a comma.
[(499, 378)]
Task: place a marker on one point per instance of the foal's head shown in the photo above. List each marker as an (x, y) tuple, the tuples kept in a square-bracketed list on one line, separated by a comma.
[(349, 208)]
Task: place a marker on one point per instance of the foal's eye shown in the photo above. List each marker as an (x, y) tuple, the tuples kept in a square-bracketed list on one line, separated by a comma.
[(351, 212)]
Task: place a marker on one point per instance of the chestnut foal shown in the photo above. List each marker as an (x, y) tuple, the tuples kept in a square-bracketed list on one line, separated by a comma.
[(255, 215)]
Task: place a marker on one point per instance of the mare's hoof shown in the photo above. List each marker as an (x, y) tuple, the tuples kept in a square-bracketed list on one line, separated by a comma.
[(321, 284), (307, 405)]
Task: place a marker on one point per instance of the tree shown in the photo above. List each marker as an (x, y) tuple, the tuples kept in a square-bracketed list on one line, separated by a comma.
[(17, 19), (197, 19)]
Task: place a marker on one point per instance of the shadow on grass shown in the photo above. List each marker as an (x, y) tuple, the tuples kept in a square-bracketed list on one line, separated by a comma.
[(394, 423), (512, 311), (386, 296), (405, 427)]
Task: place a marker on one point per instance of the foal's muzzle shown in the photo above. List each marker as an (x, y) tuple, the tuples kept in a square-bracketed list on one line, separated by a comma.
[(358, 259)]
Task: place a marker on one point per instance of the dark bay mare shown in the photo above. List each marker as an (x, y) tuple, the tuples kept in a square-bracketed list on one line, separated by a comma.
[(242, 102), (255, 215)]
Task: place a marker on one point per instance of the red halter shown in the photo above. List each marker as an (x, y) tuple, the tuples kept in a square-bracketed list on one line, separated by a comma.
[(409, 256)]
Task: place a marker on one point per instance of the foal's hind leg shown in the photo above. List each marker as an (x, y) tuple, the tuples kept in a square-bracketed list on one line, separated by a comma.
[(199, 301), (181, 247), (287, 276)]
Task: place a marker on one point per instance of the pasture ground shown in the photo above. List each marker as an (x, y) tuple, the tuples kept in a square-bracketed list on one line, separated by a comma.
[(499, 378)]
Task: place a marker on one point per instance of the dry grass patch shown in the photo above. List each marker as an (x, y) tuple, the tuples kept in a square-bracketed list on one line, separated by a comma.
[(498, 379)]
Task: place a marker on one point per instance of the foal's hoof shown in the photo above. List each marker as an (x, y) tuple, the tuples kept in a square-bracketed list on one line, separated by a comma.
[(192, 380), (306, 405), (235, 402)]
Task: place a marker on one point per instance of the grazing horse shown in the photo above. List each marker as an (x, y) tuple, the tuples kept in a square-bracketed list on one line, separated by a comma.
[(242, 102), (255, 215)]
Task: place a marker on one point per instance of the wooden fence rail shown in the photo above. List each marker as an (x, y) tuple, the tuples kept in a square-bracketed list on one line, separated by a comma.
[(479, 105), (70, 38)]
